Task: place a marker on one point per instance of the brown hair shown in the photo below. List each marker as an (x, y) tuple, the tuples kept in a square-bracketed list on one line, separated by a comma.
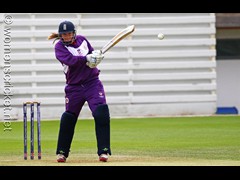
[(54, 36)]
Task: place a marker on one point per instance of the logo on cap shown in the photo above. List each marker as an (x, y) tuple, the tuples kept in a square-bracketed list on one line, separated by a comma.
[(65, 27)]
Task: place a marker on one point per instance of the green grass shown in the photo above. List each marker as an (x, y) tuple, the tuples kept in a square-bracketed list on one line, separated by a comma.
[(174, 140)]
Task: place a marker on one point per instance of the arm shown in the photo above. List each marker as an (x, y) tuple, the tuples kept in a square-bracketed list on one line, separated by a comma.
[(66, 57)]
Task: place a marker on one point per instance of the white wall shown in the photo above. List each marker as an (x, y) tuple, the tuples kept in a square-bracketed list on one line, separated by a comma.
[(228, 84), (143, 76)]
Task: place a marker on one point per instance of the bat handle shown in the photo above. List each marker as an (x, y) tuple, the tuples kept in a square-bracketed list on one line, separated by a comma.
[(102, 52)]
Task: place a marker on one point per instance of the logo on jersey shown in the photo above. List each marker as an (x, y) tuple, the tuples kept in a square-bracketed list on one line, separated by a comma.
[(101, 95), (79, 51)]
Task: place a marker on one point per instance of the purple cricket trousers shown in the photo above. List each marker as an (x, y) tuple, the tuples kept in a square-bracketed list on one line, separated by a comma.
[(91, 92)]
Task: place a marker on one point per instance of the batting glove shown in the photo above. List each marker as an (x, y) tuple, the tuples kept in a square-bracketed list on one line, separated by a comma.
[(91, 61), (98, 55)]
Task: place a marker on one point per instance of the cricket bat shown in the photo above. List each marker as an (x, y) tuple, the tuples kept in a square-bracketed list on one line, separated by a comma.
[(118, 37)]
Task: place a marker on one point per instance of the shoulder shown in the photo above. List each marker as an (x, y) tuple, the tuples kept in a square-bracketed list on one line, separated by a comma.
[(81, 37), (59, 44)]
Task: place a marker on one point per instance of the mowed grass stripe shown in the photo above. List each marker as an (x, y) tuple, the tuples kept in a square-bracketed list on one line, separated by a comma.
[(213, 138)]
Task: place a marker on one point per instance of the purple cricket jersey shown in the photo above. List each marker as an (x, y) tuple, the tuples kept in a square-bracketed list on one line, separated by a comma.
[(82, 82), (73, 60)]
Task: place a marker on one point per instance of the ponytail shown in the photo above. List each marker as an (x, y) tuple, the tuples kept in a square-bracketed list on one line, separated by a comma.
[(54, 36)]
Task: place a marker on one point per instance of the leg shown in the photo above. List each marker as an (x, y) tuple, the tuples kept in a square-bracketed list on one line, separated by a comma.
[(73, 105), (97, 103), (102, 127), (66, 132)]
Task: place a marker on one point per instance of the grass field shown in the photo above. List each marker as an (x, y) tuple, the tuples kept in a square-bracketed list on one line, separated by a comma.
[(173, 141)]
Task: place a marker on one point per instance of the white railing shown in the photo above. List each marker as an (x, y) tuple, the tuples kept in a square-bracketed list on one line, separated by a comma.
[(140, 72)]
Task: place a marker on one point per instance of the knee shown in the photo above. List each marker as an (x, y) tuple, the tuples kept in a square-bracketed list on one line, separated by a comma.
[(68, 118), (101, 114), (68, 115)]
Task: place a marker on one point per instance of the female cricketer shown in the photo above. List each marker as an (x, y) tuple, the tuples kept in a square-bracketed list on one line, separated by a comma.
[(79, 61)]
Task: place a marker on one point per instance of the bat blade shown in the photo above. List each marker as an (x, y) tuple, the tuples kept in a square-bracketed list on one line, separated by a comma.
[(118, 37)]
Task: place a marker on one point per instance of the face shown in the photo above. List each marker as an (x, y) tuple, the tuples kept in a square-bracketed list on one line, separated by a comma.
[(67, 37)]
